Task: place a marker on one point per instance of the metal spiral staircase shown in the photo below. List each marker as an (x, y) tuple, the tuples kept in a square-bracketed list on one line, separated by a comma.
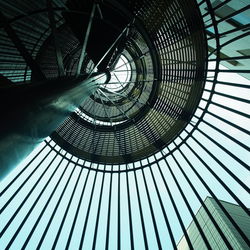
[(135, 116)]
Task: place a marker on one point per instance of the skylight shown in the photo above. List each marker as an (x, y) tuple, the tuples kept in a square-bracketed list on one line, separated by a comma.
[(120, 75)]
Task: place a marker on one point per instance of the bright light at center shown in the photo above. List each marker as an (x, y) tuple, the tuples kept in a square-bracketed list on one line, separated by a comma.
[(120, 76)]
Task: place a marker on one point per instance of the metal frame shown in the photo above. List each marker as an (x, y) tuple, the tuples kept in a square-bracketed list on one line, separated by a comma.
[(167, 185)]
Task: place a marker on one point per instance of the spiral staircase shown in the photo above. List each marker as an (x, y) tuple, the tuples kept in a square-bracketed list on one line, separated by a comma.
[(131, 119)]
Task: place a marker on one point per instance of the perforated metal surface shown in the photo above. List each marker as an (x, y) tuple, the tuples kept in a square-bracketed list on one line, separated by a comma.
[(166, 52)]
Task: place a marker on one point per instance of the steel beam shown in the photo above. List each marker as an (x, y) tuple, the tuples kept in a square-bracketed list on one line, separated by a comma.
[(56, 42)]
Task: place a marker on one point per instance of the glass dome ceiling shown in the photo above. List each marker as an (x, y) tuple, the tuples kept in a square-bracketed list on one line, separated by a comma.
[(62, 198)]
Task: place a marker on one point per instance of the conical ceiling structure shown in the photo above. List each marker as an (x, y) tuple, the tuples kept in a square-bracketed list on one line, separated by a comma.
[(140, 110)]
